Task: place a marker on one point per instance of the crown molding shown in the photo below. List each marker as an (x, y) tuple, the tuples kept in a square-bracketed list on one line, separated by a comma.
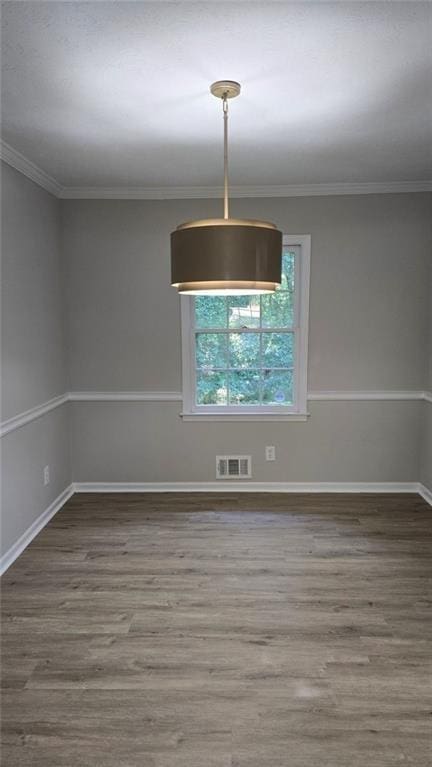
[(36, 174), (208, 192), (29, 169)]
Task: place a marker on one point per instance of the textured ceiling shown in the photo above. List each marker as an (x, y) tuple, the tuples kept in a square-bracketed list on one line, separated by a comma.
[(116, 93)]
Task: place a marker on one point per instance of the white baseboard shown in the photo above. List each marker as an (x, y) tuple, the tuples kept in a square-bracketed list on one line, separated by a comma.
[(246, 487), (425, 493), (204, 487), (23, 541)]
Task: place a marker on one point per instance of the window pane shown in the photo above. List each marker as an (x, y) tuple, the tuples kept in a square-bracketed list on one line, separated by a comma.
[(211, 388), (244, 350), (277, 350), (210, 312), (251, 362), (288, 268), (278, 310), (277, 387), (211, 350), (244, 386), (244, 311)]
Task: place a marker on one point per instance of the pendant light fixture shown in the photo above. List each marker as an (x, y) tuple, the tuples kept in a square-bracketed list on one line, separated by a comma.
[(226, 256)]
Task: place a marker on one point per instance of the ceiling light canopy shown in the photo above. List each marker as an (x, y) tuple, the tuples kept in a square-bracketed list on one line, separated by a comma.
[(226, 256)]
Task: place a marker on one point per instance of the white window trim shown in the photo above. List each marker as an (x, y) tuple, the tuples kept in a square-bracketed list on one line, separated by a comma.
[(298, 411)]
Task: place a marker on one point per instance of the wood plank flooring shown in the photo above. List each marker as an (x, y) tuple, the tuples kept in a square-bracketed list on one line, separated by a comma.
[(221, 631)]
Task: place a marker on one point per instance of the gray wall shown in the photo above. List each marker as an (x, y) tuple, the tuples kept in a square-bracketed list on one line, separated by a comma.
[(426, 447), (368, 330), (33, 352), (341, 442), (25, 452), (369, 288)]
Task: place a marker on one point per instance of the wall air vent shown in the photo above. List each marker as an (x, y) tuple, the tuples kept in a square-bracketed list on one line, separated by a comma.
[(233, 466)]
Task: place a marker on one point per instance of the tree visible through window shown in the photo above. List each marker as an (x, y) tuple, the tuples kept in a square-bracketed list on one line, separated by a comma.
[(244, 347), (244, 350)]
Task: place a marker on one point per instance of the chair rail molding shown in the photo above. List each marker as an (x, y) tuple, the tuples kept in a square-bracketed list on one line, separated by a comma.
[(125, 396), (390, 394), (21, 419), (10, 424)]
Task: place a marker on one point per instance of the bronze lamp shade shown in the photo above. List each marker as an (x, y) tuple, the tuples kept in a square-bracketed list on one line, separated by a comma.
[(226, 256)]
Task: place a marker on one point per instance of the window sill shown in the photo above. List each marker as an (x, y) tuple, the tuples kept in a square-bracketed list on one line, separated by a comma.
[(218, 417)]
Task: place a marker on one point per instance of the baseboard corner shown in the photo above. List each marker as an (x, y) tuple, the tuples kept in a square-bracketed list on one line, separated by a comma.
[(425, 493), (26, 538)]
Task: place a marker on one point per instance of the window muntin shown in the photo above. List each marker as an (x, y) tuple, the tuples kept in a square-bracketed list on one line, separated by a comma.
[(244, 346), (247, 354)]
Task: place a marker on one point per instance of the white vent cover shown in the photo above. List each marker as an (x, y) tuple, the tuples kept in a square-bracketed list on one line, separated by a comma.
[(233, 466)]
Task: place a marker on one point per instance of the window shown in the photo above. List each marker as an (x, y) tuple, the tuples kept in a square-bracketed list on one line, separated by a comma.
[(245, 357)]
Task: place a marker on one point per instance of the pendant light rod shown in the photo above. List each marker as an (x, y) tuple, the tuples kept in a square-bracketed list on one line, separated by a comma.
[(225, 89), (225, 118)]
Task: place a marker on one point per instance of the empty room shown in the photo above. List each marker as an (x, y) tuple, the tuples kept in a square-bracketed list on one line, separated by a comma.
[(216, 384)]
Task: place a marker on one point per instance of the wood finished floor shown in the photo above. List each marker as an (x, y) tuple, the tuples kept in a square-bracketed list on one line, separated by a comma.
[(221, 631)]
